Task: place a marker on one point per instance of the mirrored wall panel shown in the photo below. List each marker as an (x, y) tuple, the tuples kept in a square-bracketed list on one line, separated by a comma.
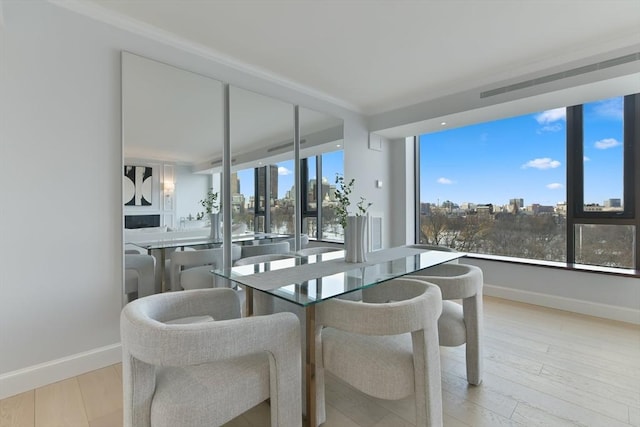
[(322, 158), (172, 134), (171, 127), (262, 157)]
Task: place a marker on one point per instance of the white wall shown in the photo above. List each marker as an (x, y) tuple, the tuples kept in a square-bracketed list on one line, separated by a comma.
[(401, 187), (61, 168), (190, 189), (366, 166), (595, 294)]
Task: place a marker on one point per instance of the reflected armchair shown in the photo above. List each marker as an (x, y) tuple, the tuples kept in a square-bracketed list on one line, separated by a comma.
[(139, 275)]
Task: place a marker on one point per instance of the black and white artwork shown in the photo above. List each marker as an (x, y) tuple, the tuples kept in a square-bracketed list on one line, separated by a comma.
[(136, 188)]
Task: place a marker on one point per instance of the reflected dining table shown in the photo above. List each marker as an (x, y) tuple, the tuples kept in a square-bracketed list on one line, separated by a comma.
[(158, 247), (309, 280)]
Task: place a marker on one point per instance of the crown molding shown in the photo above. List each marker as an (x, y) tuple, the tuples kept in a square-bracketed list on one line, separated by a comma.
[(101, 14)]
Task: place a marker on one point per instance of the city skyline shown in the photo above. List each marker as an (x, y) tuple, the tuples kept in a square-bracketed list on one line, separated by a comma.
[(478, 163), (332, 163)]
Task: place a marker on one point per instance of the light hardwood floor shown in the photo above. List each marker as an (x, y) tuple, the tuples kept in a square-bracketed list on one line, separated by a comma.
[(543, 367)]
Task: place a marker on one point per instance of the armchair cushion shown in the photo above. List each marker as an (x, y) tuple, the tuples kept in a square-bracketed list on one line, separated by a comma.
[(451, 326), (390, 358), (183, 395)]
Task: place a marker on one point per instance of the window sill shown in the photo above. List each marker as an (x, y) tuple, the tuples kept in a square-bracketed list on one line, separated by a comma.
[(558, 265)]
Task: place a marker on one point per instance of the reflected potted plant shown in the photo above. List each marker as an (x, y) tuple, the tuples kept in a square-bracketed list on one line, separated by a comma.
[(210, 204), (355, 225)]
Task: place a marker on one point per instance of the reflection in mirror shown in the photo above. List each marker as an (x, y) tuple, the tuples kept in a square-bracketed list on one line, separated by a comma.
[(262, 165), (172, 133), (321, 153)]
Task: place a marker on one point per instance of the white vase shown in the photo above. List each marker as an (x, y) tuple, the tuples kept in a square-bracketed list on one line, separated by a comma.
[(354, 239), (215, 234)]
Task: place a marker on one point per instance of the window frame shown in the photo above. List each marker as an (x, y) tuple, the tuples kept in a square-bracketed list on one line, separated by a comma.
[(576, 215)]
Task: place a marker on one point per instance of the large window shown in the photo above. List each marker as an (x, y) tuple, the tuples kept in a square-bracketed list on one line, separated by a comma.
[(603, 153), (318, 175), (243, 197), (557, 185), (332, 165)]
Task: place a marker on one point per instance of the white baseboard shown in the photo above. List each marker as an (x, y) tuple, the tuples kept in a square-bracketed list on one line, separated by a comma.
[(32, 377), (589, 308)]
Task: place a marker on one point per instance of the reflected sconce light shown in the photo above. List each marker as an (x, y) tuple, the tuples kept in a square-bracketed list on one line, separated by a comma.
[(169, 187)]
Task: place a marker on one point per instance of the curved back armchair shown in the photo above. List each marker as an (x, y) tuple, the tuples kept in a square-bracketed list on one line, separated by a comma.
[(304, 241), (460, 324), (316, 250), (177, 373), (385, 346), (185, 259), (200, 277), (265, 249), (139, 273)]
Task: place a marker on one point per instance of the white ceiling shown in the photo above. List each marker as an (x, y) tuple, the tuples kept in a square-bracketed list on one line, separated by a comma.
[(376, 56)]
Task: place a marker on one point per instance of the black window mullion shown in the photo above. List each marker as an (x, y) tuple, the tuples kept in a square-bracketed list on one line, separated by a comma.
[(632, 174), (630, 135), (267, 199), (575, 175), (319, 197)]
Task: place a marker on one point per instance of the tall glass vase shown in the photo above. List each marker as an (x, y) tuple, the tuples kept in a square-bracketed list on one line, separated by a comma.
[(215, 234), (354, 239)]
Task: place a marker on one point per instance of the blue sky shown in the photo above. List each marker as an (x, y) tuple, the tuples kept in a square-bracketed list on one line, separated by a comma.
[(522, 157)]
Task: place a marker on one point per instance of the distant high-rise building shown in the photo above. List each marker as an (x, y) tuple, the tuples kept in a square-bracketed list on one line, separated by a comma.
[(273, 171), (517, 202), (235, 184), (273, 185), (516, 205), (612, 203)]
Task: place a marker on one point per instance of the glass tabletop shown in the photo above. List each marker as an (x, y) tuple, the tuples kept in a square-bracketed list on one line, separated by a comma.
[(306, 280)]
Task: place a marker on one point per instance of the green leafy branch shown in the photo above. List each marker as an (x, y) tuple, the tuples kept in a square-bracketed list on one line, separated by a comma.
[(342, 193), (209, 203)]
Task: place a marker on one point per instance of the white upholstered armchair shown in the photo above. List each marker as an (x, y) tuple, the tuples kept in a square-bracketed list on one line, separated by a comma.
[(459, 324), (386, 346), (207, 372)]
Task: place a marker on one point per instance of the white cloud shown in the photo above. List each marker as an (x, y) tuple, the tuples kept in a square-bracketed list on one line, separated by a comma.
[(551, 116), (444, 181), (554, 186), (551, 128), (603, 144), (611, 108), (284, 171), (586, 159), (543, 163)]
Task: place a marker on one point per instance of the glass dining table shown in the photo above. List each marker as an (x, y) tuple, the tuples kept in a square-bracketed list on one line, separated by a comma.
[(308, 280)]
